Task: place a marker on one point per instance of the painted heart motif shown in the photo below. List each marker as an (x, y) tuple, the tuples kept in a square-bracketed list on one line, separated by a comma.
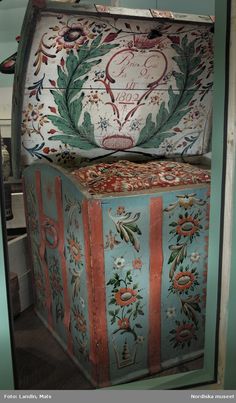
[(131, 75)]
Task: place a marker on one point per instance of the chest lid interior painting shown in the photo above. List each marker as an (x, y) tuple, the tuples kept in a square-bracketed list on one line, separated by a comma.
[(90, 83)]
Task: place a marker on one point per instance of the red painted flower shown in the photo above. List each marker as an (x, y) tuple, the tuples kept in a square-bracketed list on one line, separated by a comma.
[(72, 37), (137, 263), (123, 323), (187, 226), (183, 280), (125, 296), (184, 333)]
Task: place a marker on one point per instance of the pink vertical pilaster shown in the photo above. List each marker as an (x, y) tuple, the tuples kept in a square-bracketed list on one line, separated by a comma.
[(61, 251), (156, 262), (95, 269), (42, 247)]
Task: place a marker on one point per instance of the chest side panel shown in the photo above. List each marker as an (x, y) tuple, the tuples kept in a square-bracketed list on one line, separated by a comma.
[(155, 253)]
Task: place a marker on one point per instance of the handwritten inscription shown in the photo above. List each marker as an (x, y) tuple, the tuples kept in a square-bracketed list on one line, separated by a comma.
[(129, 63)]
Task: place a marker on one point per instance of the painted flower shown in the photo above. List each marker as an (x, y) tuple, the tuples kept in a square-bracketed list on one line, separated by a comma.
[(75, 250), (80, 322), (183, 280), (99, 74), (120, 210), (186, 201), (32, 115), (72, 37), (119, 262), (124, 323), (183, 334), (98, 28), (65, 155), (135, 124), (111, 240), (155, 100), (140, 339), (125, 296), (137, 263), (187, 226), (195, 256), (103, 123), (168, 177), (171, 312)]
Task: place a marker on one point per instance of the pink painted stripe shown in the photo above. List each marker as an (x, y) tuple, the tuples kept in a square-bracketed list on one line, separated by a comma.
[(89, 281), (156, 262), (42, 248), (93, 225), (61, 246)]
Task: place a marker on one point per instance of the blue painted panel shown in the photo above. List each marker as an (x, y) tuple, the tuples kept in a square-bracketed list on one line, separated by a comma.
[(184, 275), (127, 266), (77, 273)]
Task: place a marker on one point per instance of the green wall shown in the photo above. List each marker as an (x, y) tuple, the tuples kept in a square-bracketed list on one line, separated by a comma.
[(184, 6)]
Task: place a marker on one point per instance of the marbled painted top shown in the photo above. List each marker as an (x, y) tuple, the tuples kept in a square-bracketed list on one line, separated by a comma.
[(130, 176)]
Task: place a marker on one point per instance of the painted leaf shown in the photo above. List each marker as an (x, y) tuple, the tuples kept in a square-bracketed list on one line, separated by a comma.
[(111, 36), (75, 109), (147, 130), (73, 141), (62, 78), (87, 129), (61, 104), (71, 63), (61, 124)]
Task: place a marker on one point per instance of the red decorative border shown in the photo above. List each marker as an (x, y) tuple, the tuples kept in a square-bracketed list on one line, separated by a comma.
[(42, 247), (156, 262), (94, 254), (61, 246)]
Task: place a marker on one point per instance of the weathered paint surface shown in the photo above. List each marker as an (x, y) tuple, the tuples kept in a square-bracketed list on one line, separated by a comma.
[(130, 304)]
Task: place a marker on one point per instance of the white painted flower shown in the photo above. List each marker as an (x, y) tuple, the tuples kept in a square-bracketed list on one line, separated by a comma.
[(119, 262), (140, 339), (171, 312), (195, 256)]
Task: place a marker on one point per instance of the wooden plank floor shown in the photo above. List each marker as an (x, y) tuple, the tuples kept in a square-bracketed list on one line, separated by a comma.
[(43, 365)]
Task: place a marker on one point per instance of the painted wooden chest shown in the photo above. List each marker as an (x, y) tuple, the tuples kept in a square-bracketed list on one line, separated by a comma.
[(120, 280), (119, 248)]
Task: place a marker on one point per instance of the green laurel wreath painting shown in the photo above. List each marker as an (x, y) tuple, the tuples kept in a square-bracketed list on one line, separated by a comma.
[(113, 85), (67, 100)]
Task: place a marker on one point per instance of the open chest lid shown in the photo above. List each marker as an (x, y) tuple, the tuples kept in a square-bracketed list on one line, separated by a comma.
[(91, 81)]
